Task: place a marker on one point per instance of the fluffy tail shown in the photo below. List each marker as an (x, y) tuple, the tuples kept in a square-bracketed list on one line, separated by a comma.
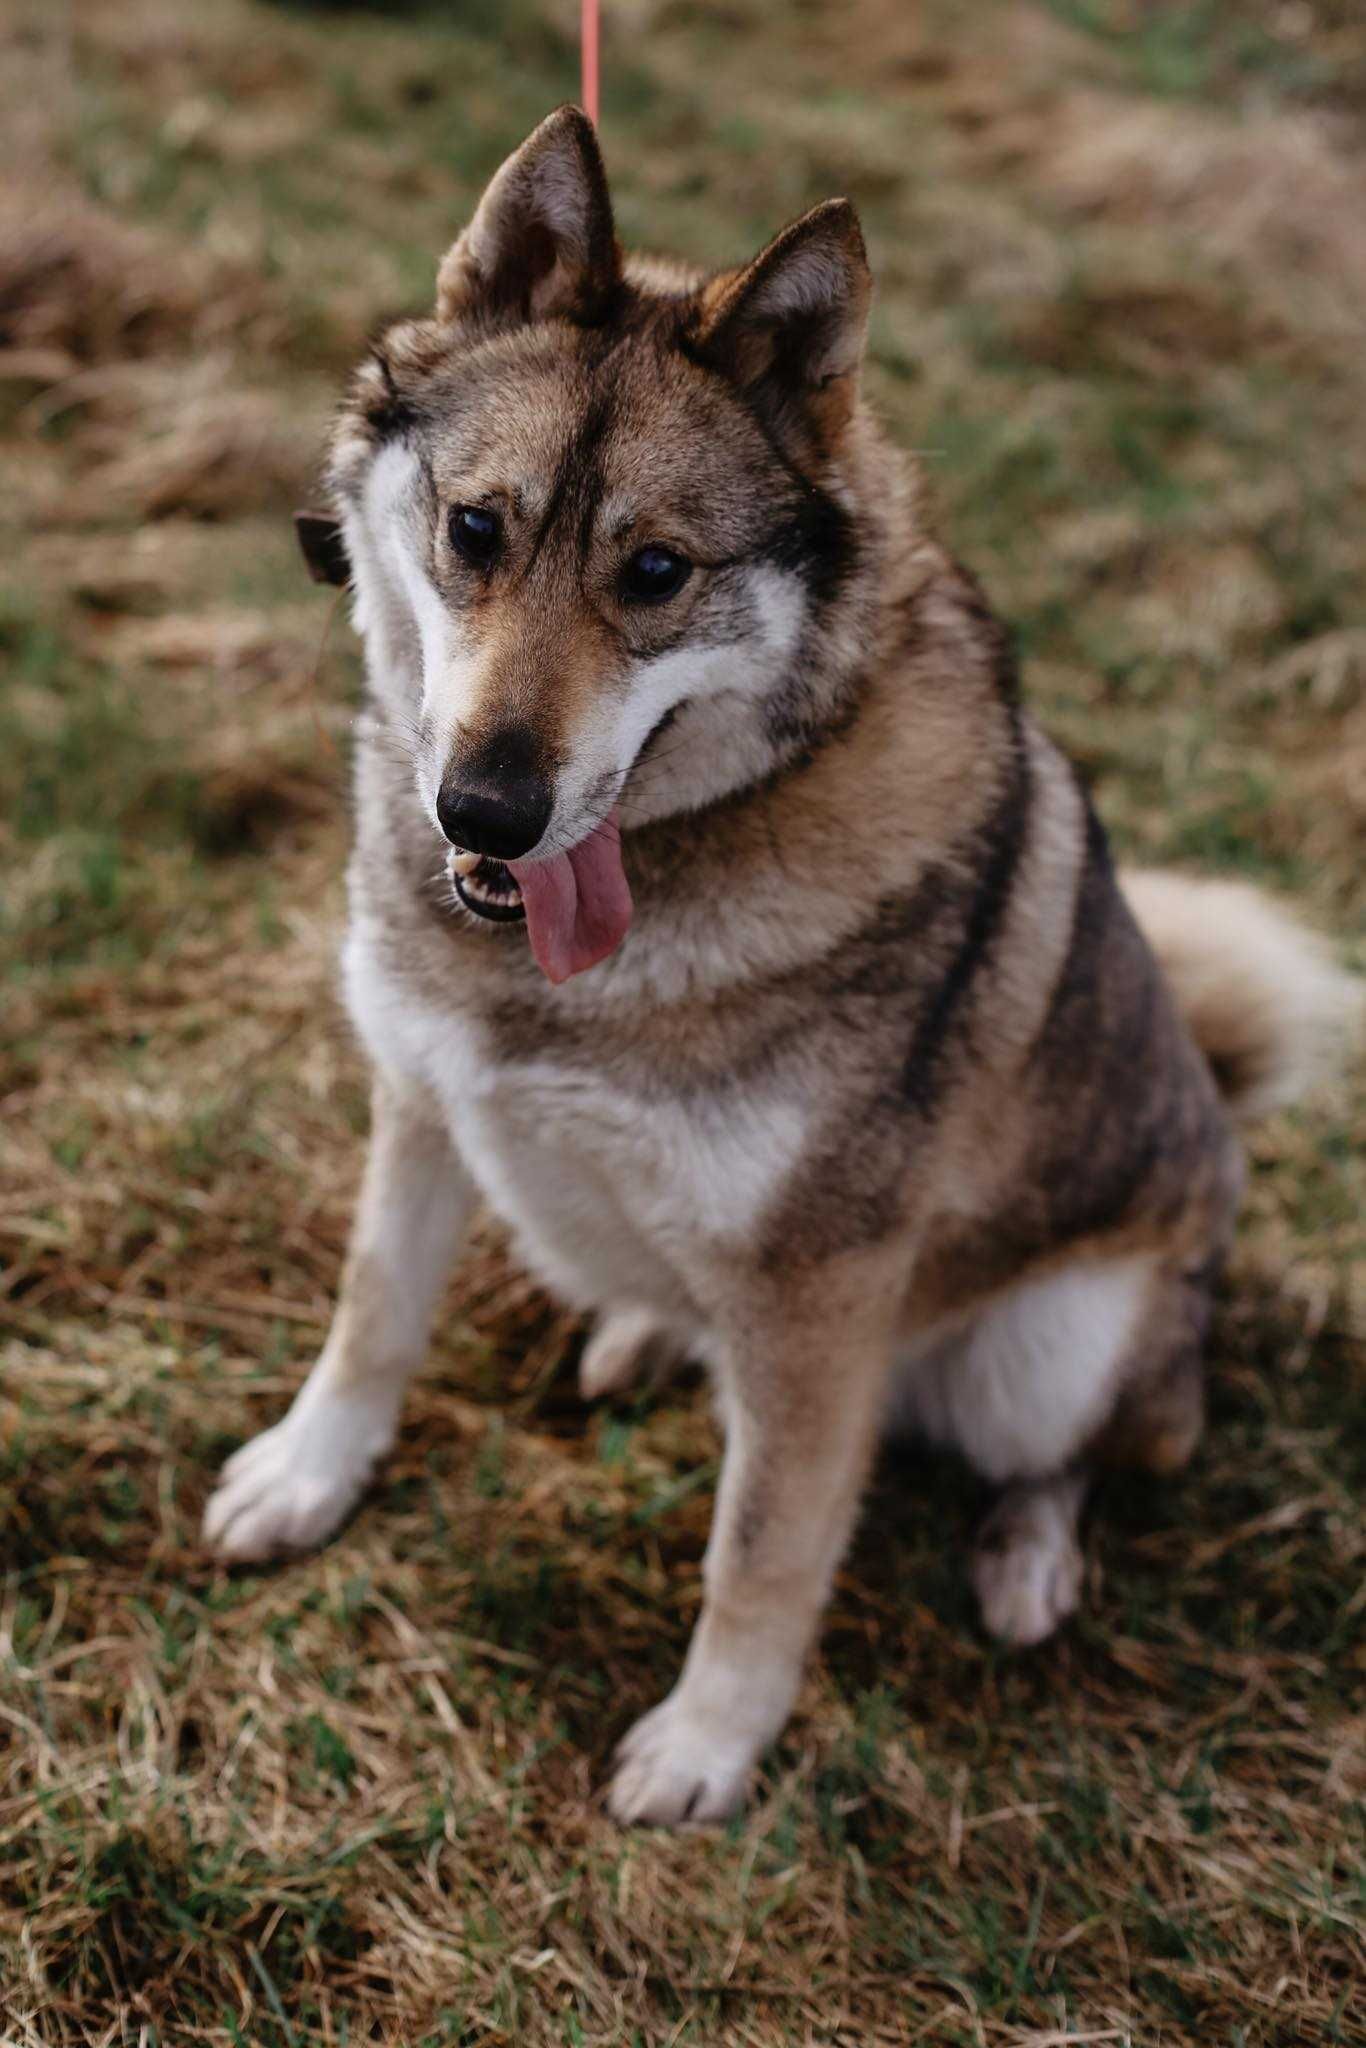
[(1269, 1008)]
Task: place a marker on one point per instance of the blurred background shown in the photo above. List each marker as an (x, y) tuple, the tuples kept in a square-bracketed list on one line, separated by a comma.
[(1120, 248)]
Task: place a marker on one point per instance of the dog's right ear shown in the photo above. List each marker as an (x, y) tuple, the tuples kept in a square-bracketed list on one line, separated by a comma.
[(541, 245)]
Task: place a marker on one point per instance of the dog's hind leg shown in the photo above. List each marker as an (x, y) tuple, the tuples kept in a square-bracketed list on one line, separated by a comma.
[(1160, 1414), (1096, 1362), (290, 1487), (1027, 1564)]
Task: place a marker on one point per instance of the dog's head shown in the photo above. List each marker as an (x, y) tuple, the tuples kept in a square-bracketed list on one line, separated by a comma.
[(593, 509)]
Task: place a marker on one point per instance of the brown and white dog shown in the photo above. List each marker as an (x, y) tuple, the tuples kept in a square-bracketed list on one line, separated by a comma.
[(719, 915)]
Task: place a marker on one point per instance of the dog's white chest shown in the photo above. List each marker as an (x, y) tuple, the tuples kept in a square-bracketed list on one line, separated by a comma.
[(613, 1195)]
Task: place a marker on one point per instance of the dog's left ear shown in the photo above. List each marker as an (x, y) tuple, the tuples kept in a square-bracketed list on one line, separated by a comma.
[(323, 547), (789, 328), (541, 245)]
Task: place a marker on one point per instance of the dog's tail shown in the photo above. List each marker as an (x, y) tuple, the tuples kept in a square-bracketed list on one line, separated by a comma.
[(1265, 1002)]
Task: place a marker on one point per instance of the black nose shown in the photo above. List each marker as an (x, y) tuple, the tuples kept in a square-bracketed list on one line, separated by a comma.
[(504, 823)]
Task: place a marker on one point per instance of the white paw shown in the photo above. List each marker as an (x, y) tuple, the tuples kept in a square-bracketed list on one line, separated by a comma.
[(292, 1486), (1027, 1573), (627, 1345), (676, 1767)]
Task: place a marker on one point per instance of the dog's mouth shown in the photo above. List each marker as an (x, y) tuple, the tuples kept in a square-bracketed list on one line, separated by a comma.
[(576, 903), (486, 887)]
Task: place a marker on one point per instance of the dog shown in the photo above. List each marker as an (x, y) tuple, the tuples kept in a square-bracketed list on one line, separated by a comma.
[(721, 917)]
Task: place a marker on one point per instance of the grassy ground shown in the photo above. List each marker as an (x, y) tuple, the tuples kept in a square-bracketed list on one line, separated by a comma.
[(1122, 270)]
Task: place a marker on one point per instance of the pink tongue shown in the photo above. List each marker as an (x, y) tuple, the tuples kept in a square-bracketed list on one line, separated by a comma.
[(578, 904)]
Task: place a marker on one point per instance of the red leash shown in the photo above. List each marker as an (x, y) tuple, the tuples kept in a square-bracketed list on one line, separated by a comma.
[(588, 41)]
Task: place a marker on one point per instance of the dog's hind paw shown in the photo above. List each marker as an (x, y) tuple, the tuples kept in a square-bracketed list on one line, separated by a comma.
[(1027, 1568), (672, 1770), (291, 1487), (627, 1345)]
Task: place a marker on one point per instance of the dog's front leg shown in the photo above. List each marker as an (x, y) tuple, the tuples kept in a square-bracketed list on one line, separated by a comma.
[(290, 1487), (802, 1381)]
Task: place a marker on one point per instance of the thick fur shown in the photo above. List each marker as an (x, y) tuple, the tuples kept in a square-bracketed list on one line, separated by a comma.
[(1267, 1005), (883, 1109)]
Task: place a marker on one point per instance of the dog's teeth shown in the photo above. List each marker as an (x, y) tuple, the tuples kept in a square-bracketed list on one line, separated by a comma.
[(463, 863)]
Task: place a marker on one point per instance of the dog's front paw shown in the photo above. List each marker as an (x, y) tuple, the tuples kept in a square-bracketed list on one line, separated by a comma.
[(292, 1486), (676, 1766)]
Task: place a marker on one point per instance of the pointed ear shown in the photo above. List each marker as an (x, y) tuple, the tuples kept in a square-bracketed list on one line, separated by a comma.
[(323, 546), (790, 327), (541, 245)]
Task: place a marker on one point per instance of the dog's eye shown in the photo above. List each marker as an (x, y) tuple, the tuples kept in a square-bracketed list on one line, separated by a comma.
[(475, 533), (654, 573)]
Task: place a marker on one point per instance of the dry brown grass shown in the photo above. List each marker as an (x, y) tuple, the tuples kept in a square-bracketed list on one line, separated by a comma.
[(357, 1799)]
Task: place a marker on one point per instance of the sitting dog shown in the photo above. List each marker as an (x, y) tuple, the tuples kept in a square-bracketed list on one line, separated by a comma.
[(719, 915)]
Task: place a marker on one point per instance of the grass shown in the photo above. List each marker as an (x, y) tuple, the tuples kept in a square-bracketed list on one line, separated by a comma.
[(355, 1799)]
